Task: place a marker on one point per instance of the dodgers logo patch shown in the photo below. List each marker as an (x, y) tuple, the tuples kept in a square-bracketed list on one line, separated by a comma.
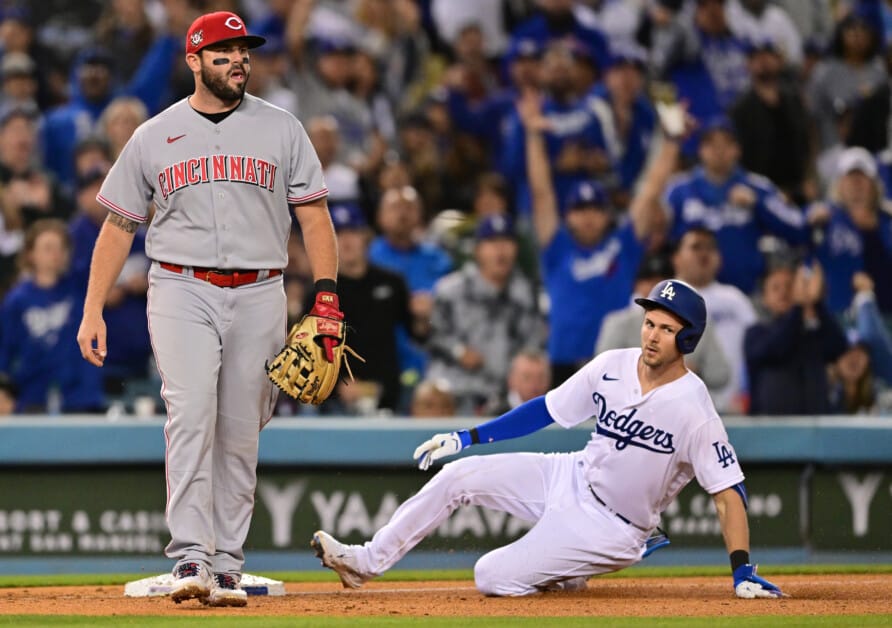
[(626, 430), (724, 454)]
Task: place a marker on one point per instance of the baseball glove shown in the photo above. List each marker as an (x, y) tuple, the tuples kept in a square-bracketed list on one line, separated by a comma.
[(308, 365)]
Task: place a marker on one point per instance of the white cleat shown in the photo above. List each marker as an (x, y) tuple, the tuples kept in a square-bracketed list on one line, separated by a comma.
[(579, 583), (192, 582), (338, 557), (226, 591)]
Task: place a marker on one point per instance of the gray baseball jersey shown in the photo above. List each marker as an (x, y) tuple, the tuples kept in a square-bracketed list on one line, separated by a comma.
[(221, 191)]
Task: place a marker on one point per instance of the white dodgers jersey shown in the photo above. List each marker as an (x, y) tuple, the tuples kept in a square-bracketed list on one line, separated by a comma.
[(645, 448)]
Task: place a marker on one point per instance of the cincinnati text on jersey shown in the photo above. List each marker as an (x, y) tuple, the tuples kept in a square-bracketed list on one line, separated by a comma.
[(233, 168)]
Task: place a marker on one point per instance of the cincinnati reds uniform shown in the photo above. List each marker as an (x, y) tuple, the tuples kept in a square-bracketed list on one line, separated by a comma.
[(222, 193), (594, 509)]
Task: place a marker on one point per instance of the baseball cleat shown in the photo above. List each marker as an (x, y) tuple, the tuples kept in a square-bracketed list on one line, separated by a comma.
[(338, 557), (579, 583), (226, 591), (192, 582)]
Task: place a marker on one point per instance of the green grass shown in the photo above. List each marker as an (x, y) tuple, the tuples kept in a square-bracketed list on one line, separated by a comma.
[(765, 621), (443, 574)]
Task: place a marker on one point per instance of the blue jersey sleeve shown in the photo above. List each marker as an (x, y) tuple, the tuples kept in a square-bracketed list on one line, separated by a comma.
[(526, 418)]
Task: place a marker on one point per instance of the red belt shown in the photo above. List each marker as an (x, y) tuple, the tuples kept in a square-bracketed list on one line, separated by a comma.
[(223, 278)]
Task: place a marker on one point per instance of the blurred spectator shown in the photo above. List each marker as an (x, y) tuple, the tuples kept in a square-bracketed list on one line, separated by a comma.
[(450, 17), (489, 119), (626, 117), (269, 69), (124, 30), (125, 309), (858, 235), (19, 75), (617, 19), (556, 19), (528, 377), (729, 312), (483, 315), (573, 140), (342, 180), (851, 381), (738, 206), (698, 53), (772, 123), (91, 94), (8, 394), (760, 19), (376, 302), (40, 316), (432, 399), (813, 20), (367, 87), (590, 257), (29, 193), (391, 31), (119, 120), (402, 248), (852, 70), (17, 36), (91, 153), (787, 355), (454, 229), (321, 76), (471, 70), (622, 329), (870, 329)]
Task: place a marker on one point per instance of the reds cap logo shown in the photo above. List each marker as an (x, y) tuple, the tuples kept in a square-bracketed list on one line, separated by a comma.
[(212, 28), (196, 38)]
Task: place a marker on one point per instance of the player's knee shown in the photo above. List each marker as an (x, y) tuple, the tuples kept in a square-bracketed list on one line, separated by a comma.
[(493, 578)]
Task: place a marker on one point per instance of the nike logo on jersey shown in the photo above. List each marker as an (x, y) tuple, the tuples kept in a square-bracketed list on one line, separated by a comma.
[(626, 430), (171, 140), (609, 379)]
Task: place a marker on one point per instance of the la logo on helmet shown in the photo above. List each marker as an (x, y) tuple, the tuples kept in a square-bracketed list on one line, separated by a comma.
[(233, 23), (668, 292)]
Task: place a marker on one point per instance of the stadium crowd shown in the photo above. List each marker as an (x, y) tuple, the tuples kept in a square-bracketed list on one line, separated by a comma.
[(501, 184)]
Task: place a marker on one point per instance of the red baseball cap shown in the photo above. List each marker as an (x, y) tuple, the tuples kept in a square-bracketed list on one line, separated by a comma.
[(212, 28)]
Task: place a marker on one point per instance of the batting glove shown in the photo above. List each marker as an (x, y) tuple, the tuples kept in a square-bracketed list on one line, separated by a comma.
[(748, 585), (440, 446)]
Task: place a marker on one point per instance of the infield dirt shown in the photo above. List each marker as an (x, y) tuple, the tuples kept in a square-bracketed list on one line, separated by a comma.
[(621, 597)]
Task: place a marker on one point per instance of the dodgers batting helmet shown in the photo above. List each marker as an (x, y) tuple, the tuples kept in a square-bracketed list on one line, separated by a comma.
[(686, 303)]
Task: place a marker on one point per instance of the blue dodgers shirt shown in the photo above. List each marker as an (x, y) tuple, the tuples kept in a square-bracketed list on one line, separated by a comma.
[(38, 327), (695, 201), (585, 284), (842, 253), (570, 124), (421, 266)]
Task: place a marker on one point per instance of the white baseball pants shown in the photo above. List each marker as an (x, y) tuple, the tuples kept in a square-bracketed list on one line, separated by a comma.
[(573, 535)]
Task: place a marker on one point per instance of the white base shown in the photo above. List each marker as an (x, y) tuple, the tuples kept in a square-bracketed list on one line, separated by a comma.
[(161, 585)]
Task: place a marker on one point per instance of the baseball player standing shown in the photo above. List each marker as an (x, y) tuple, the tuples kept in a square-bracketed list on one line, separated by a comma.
[(594, 510), (222, 168)]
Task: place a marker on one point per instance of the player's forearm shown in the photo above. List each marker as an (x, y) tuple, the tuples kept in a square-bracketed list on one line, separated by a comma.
[(109, 254), (526, 418), (732, 517), (319, 239)]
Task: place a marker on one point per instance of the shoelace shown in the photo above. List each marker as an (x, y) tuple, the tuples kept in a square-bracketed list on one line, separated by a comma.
[(225, 581), (187, 570)]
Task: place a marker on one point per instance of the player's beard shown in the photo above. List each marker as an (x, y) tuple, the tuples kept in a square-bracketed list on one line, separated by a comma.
[(219, 85)]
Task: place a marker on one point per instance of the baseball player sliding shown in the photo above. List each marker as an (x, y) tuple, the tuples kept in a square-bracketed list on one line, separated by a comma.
[(222, 169), (594, 510)]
